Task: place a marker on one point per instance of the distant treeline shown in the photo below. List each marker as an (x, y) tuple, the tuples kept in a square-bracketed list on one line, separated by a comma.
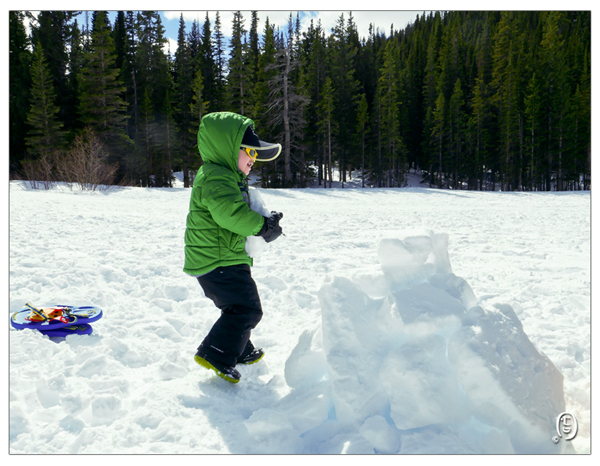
[(474, 100)]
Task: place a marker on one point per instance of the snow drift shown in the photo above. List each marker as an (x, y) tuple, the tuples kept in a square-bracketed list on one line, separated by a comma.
[(373, 344), (407, 354)]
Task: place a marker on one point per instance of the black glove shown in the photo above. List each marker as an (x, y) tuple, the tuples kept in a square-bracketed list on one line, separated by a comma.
[(271, 230)]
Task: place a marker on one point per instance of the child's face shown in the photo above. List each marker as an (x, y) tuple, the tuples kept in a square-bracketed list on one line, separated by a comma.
[(245, 162)]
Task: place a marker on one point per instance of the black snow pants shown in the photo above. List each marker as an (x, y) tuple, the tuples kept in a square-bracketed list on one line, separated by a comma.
[(233, 290)]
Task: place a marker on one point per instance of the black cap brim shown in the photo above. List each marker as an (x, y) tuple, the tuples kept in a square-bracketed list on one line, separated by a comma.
[(266, 152)]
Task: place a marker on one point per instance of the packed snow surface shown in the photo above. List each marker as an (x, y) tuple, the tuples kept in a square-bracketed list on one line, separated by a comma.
[(395, 321)]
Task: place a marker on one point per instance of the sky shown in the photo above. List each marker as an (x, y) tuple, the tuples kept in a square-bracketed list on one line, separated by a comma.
[(329, 12), (380, 19)]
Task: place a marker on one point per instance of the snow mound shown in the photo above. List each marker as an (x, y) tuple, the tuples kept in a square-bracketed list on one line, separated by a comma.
[(406, 356)]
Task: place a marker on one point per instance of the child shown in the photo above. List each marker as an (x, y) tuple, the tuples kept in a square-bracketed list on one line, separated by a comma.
[(218, 222)]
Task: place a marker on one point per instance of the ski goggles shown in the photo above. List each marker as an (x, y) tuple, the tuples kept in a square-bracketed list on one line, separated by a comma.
[(252, 153)]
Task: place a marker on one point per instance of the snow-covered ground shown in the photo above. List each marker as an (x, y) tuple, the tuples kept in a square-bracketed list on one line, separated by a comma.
[(395, 321)]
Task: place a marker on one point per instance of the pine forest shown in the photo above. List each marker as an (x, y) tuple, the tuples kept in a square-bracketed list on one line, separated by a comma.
[(478, 100)]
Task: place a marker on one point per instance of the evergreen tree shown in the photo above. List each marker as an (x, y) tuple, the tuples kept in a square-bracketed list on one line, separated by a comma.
[(45, 135), (101, 106), (480, 124), (194, 41), (581, 122), (412, 105), (53, 29), (438, 132), (506, 82), (218, 51), (265, 74), (430, 148), (155, 80), (20, 58), (362, 121), (208, 67), (183, 84), (391, 141), (488, 98), (198, 108), (342, 63), (169, 144), (458, 136), (130, 76), (533, 130), (76, 63), (327, 126), (478, 136), (556, 94), (251, 64), (120, 40), (238, 79), (313, 58), (146, 140), (287, 104), (153, 66)]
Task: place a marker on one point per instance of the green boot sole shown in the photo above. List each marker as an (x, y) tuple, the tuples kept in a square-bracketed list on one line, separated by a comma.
[(204, 363)]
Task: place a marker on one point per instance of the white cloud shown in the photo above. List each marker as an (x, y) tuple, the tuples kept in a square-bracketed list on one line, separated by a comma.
[(380, 19), (279, 18), (383, 20), (171, 45)]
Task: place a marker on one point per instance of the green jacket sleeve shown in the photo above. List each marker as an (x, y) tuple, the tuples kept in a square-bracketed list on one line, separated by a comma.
[(222, 197)]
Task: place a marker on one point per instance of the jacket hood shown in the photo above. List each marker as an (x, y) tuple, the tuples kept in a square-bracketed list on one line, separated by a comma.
[(220, 136)]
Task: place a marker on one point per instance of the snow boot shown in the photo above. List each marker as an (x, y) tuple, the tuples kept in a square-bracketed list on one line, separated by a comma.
[(225, 372), (254, 356)]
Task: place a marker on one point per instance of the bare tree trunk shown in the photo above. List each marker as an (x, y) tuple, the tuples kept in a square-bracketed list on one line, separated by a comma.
[(560, 184), (363, 156), (329, 151), (320, 174), (169, 156), (440, 165), (549, 167), (286, 119)]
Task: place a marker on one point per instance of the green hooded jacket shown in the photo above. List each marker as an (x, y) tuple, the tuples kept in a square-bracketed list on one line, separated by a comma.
[(219, 218)]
